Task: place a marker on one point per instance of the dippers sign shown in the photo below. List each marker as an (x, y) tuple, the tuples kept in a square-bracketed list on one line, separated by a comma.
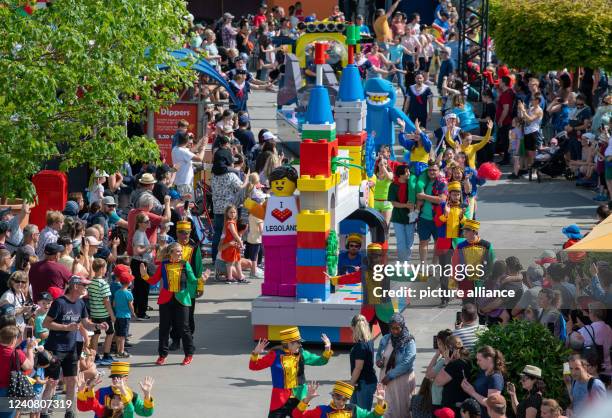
[(165, 126)]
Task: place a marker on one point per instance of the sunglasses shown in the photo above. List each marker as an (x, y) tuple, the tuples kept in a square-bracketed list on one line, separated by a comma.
[(19, 281), (354, 246)]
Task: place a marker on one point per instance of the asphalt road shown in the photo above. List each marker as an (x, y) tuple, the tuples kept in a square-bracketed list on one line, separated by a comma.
[(515, 216)]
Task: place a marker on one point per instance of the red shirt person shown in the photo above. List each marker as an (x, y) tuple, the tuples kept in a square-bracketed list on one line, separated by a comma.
[(145, 205), (48, 272)]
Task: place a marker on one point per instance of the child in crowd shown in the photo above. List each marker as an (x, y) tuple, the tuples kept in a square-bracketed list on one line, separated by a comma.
[(254, 189), (232, 243), (253, 242), (124, 307), (96, 190), (162, 235), (223, 159), (42, 360), (101, 310), (44, 303), (227, 118), (516, 139)]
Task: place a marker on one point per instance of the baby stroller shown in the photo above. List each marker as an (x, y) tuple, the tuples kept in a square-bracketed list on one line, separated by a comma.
[(551, 163), (555, 166)]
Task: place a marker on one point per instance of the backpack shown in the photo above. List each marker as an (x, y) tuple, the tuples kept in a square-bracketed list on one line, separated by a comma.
[(593, 350)]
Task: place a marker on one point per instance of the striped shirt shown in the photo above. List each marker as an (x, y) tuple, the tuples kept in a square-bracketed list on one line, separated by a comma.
[(98, 290), (469, 334)]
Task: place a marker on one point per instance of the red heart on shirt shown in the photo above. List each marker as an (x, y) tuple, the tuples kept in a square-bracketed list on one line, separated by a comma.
[(282, 215)]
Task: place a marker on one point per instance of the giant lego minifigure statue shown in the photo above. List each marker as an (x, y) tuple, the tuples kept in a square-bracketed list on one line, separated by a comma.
[(279, 237), (382, 114)]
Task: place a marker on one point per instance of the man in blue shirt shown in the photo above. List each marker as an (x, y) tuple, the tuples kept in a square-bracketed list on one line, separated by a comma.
[(350, 260), (582, 387), (447, 67)]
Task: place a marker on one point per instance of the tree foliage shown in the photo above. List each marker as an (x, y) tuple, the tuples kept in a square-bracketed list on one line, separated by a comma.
[(544, 35), (523, 343), (74, 74)]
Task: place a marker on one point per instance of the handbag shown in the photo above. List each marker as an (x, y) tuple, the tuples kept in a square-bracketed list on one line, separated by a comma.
[(19, 385)]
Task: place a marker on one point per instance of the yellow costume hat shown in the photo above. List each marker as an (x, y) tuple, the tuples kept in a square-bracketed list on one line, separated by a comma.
[(471, 224), (119, 368), (454, 186), (290, 335), (375, 247), (354, 238), (343, 389), (183, 226)]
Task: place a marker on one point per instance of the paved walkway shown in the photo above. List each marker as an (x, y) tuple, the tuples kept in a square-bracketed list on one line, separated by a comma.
[(517, 215)]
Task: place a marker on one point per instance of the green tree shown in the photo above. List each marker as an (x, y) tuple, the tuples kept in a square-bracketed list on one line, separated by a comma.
[(544, 35), (74, 74), (523, 343)]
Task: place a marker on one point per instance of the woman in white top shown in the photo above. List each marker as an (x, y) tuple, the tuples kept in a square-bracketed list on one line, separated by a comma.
[(18, 295), (533, 119)]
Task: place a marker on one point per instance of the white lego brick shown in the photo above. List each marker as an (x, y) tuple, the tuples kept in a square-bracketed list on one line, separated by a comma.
[(272, 316), (318, 127), (316, 200), (342, 124)]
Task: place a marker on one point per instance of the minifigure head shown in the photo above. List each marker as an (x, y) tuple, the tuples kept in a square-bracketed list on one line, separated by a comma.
[(283, 181)]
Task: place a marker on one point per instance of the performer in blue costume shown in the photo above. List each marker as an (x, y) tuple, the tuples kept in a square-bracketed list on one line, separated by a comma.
[(382, 114)]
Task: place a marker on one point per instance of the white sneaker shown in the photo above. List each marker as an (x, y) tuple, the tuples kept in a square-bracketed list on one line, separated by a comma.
[(259, 274)]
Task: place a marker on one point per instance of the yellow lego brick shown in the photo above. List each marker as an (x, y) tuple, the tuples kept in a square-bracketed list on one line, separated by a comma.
[(313, 221), (355, 155), (315, 184)]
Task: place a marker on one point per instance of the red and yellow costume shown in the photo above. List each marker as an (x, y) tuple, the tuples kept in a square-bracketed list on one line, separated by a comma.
[(331, 411), (478, 253), (449, 225), (99, 402), (288, 380)]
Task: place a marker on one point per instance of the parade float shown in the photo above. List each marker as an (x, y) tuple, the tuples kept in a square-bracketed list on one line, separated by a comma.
[(332, 193)]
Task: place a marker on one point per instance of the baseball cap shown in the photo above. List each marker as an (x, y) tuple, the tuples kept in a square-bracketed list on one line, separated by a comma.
[(588, 136), (4, 227), (243, 119), (450, 116), (269, 136), (496, 400), (547, 257), (444, 413), (109, 201), (78, 280), (4, 212), (199, 26), (174, 195), (53, 248), (71, 208), (123, 273), (100, 173), (103, 252), (471, 406), (227, 15), (92, 241), (46, 296)]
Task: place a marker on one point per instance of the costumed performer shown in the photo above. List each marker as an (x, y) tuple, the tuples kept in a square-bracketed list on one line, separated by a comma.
[(339, 407), (286, 364)]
